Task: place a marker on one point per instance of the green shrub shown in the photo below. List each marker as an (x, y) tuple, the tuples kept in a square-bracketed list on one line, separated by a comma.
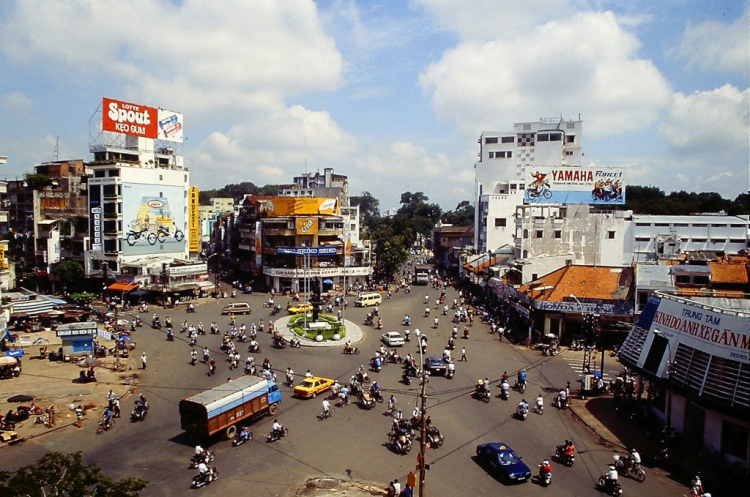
[(297, 323)]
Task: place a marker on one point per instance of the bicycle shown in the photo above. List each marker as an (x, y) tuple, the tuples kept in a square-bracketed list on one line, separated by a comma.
[(329, 414)]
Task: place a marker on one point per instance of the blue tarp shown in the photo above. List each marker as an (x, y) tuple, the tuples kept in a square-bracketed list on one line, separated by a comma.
[(54, 300), (14, 353)]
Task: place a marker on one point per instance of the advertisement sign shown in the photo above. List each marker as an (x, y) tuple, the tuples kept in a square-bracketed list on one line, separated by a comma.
[(154, 216), (96, 229), (129, 119), (288, 206), (310, 273), (710, 330), (139, 120), (306, 226), (306, 251), (170, 126), (2, 257), (258, 251), (194, 220), (574, 185)]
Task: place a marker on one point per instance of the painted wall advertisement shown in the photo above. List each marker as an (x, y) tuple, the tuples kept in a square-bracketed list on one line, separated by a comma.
[(194, 220), (306, 225), (96, 228), (154, 217), (717, 333), (139, 120), (574, 185)]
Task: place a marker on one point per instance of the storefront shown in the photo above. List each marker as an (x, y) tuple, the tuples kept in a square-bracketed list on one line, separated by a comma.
[(77, 339)]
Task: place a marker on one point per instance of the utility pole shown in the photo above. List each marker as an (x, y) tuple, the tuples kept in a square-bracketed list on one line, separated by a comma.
[(422, 431)]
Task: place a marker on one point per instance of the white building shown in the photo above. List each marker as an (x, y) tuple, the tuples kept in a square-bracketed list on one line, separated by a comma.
[(500, 180), (652, 238), (138, 211)]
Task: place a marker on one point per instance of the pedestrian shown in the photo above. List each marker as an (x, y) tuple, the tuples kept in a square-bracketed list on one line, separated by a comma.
[(79, 416), (111, 398), (463, 354), (143, 360), (116, 407), (395, 488)]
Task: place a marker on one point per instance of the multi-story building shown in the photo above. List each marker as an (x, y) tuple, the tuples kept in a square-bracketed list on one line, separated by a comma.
[(210, 221), (655, 237), (326, 185), (696, 353), (7, 270), (138, 209), (500, 172)]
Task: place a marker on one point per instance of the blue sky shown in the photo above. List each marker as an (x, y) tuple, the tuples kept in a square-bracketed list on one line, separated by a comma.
[(393, 94)]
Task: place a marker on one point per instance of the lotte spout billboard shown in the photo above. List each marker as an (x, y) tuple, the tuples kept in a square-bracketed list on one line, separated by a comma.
[(139, 120)]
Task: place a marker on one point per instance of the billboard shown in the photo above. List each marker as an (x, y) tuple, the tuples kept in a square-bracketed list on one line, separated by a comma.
[(139, 120), (574, 185), (721, 334), (154, 217), (312, 251), (194, 220), (306, 225), (289, 206)]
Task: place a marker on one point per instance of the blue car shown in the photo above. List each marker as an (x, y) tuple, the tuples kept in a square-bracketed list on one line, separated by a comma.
[(503, 462)]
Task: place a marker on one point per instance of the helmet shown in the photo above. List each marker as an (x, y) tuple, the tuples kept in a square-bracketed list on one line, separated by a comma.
[(524, 401), (545, 462), (611, 468), (632, 451)]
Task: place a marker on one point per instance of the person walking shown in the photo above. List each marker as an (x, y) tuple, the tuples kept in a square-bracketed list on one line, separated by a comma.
[(143, 360), (79, 416), (463, 354)]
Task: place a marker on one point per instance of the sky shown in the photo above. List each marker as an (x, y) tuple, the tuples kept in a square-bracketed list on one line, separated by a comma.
[(393, 94)]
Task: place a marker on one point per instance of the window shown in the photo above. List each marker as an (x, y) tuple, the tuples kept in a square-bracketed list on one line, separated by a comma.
[(558, 234), (525, 254), (500, 221), (642, 239), (525, 234), (114, 172), (99, 173), (539, 233), (611, 235), (534, 276), (680, 225), (508, 139), (555, 137), (737, 226), (161, 177), (662, 225), (353, 227), (568, 152), (643, 224), (734, 439), (736, 240), (570, 138), (542, 138), (490, 139), (527, 127), (716, 240), (699, 240), (700, 225), (570, 125)]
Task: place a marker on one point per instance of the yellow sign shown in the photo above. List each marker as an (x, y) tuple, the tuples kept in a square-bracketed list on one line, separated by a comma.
[(288, 206), (2, 258), (307, 225), (194, 220)]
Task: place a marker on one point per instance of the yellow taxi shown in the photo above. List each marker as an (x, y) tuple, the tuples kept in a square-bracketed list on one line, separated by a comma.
[(312, 386), (300, 308)]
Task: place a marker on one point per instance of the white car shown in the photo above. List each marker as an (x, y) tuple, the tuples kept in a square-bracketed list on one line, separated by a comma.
[(393, 339)]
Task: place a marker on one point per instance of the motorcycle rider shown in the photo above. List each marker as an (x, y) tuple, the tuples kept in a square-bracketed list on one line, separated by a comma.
[(375, 390), (505, 388), (392, 402), (326, 408), (568, 450), (276, 429), (451, 370), (540, 403), (696, 487), (545, 469), (289, 376), (523, 407), (521, 379), (634, 461), (611, 476), (244, 434)]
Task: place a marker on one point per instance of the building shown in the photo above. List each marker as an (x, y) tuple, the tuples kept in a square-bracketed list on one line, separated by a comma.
[(652, 238), (326, 185), (138, 194), (7, 270), (500, 172), (695, 352), (448, 243), (211, 221)]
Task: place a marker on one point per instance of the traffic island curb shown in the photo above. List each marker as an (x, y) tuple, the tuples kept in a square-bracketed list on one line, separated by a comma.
[(317, 487)]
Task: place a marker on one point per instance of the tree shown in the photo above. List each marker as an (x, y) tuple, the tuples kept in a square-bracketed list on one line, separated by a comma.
[(462, 216), (69, 272), (65, 474), (37, 181), (390, 247), (369, 209)]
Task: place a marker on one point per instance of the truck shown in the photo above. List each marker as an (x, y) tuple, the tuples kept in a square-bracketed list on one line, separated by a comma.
[(422, 275), (220, 409)]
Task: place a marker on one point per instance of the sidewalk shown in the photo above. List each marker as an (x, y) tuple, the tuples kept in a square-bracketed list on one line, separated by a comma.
[(614, 430), (52, 383)]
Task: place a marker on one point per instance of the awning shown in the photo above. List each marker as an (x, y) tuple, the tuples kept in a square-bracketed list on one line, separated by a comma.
[(54, 300), (206, 285), (480, 263), (46, 222), (183, 287), (122, 286)]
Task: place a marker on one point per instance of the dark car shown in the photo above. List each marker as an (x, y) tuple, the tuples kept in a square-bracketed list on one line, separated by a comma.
[(435, 365), (503, 462)]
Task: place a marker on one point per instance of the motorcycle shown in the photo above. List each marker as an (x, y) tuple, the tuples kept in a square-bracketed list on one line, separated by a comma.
[(400, 443), (522, 412), (254, 348), (203, 479), (351, 350), (520, 386), (295, 343), (139, 413), (238, 440), (156, 324), (504, 392), (566, 459), (405, 378), (435, 438), (207, 457), (277, 435), (407, 336), (450, 373), (560, 403), (612, 487), (170, 336), (483, 394), (545, 477), (624, 466)]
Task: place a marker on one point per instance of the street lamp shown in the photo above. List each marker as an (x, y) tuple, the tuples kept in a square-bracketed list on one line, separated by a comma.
[(583, 365), (658, 333)]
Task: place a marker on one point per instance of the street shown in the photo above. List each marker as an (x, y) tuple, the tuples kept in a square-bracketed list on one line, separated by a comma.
[(352, 443)]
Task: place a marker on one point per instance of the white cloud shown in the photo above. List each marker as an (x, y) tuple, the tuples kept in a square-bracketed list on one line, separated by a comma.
[(483, 20), (586, 64), (15, 102), (714, 45), (218, 51), (713, 121)]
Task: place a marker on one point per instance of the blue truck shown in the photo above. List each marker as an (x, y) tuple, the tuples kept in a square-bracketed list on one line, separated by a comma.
[(220, 409)]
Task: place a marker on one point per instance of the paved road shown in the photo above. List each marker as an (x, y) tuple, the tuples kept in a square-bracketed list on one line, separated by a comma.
[(352, 442)]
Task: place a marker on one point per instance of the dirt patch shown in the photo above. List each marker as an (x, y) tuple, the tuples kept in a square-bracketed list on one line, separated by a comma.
[(319, 487)]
